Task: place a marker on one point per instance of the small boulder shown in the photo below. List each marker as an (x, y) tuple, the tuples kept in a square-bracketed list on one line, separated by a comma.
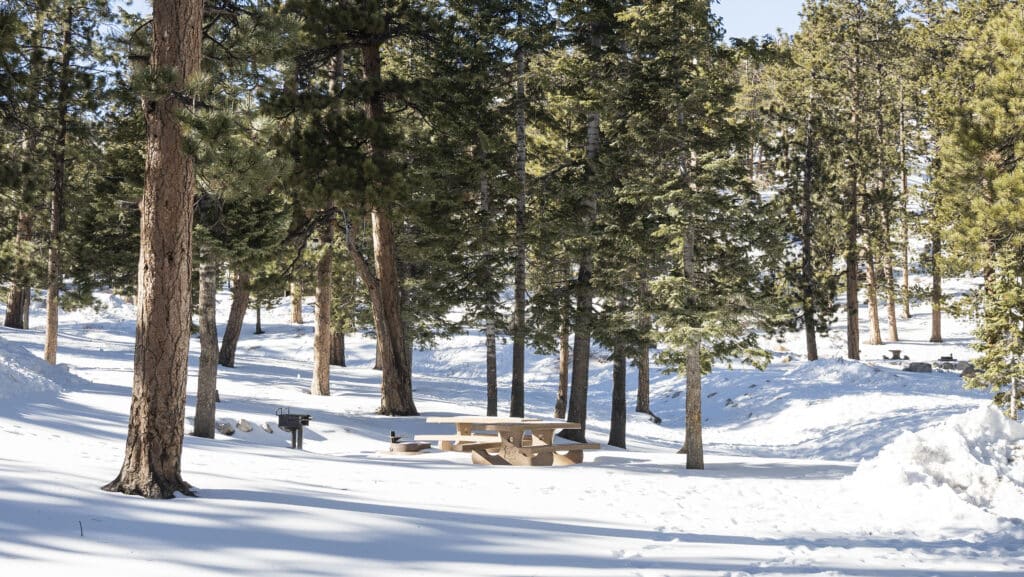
[(225, 428)]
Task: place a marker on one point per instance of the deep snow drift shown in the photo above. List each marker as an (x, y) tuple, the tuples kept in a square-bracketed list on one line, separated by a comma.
[(828, 468)]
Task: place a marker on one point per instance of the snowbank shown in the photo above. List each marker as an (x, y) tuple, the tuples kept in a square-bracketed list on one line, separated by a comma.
[(978, 456), (22, 373)]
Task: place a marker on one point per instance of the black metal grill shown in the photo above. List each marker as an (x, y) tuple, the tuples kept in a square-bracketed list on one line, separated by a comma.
[(292, 423)]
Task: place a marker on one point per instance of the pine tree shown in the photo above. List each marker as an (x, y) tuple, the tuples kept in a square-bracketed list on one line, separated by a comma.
[(983, 180)]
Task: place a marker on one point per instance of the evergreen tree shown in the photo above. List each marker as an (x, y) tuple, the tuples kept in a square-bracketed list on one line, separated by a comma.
[(979, 164)]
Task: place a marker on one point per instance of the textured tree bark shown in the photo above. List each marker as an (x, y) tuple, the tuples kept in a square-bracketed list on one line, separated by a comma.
[(852, 263), (492, 370), (338, 347), (519, 291), (890, 298), (643, 380), (296, 290), (259, 320), (396, 379), (322, 330), (807, 279), (905, 195), (19, 299), (206, 395), (516, 406), (693, 443), (563, 369), (152, 463), (584, 300), (617, 430), (936, 336), (54, 280), (875, 336), (240, 292)]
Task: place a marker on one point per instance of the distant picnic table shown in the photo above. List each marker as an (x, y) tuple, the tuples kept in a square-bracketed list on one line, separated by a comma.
[(509, 440)]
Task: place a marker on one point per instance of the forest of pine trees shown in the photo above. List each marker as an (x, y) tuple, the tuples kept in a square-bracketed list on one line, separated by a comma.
[(606, 179)]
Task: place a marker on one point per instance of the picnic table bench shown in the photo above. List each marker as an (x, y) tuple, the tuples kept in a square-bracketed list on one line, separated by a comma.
[(510, 440)]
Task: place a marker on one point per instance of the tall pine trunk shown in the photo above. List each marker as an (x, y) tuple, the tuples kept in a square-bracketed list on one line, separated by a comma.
[(807, 278), (396, 378), (852, 263), (54, 280), (206, 395), (519, 291), (19, 298), (338, 347), (561, 396), (240, 292), (936, 336), (905, 196), (296, 290), (693, 443), (584, 296), (875, 335), (617, 430), (152, 463), (643, 357), (890, 281), (322, 329), (259, 320), (492, 369)]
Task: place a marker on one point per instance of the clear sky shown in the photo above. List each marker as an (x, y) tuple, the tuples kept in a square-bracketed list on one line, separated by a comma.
[(744, 18)]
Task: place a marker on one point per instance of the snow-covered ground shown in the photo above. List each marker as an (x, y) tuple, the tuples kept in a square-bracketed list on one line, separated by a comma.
[(830, 468)]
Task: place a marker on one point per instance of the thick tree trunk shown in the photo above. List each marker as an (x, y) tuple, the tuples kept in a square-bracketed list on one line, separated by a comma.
[(206, 396), (643, 380), (396, 379), (561, 397), (852, 263), (19, 299), (643, 357), (240, 292), (322, 331), (296, 290), (617, 430), (519, 291), (584, 299), (338, 347), (936, 290), (152, 463), (875, 336), (693, 443), (492, 370)]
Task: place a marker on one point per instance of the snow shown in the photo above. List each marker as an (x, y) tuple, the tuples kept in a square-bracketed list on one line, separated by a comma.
[(832, 468)]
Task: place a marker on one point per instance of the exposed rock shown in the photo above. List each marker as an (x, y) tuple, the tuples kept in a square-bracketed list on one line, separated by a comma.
[(244, 426), (225, 428)]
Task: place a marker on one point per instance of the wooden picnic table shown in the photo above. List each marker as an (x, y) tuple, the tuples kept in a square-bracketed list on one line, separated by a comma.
[(509, 440)]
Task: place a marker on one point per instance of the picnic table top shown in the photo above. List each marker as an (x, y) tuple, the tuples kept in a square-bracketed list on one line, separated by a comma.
[(479, 419)]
